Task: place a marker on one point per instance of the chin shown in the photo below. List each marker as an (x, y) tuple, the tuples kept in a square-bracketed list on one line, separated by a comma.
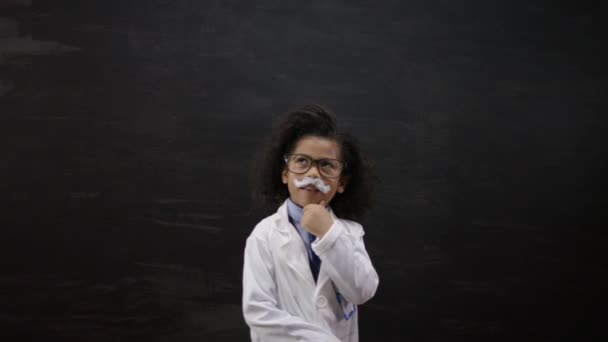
[(304, 201)]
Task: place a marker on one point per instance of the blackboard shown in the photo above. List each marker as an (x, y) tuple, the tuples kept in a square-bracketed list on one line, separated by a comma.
[(127, 129)]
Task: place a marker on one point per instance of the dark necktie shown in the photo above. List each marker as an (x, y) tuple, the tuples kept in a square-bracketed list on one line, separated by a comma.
[(315, 262)]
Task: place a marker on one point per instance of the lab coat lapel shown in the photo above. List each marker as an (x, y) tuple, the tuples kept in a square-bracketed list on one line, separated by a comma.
[(323, 278)]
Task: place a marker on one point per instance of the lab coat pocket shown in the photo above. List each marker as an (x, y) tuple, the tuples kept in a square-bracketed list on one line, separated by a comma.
[(346, 309), (344, 329)]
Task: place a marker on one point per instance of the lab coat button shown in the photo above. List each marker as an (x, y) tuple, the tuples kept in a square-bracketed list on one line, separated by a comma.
[(321, 302)]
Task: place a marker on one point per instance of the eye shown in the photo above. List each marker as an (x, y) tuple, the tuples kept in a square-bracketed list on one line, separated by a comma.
[(301, 160), (326, 164)]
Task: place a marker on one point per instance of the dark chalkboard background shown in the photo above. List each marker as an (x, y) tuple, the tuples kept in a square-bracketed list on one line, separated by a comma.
[(126, 129)]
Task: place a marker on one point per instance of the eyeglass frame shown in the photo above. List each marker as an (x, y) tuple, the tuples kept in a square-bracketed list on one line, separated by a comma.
[(313, 162)]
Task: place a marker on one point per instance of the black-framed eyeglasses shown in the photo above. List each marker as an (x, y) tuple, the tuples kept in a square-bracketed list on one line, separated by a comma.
[(301, 163)]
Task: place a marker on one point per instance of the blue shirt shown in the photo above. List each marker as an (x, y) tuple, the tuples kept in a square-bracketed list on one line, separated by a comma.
[(295, 217)]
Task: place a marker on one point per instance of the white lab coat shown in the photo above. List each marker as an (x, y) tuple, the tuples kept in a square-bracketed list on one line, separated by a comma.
[(281, 301)]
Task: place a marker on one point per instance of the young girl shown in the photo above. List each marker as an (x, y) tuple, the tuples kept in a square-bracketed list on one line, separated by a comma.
[(306, 268)]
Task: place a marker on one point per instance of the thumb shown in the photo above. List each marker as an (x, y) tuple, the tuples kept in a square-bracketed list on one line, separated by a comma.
[(323, 203)]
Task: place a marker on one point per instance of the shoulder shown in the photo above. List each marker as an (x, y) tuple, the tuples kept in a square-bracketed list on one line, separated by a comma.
[(270, 224), (351, 227), (264, 228)]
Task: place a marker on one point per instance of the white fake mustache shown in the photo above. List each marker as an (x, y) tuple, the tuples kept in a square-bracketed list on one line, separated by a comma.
[(317, 182)]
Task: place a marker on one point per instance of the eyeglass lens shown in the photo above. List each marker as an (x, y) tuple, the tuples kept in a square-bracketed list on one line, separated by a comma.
[(299, 163)]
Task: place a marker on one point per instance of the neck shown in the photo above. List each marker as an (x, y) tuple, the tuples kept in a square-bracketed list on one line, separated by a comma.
[(294, 211)]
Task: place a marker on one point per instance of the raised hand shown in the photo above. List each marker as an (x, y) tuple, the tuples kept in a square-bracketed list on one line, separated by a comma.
[(316, 219)]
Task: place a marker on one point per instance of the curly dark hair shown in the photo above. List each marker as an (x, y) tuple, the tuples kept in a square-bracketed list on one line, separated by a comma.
[(312, 120)]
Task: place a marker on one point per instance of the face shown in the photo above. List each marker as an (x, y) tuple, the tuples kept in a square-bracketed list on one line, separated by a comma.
[(317, 148)]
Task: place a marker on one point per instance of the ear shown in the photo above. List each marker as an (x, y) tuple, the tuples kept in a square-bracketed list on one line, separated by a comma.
[(342, 185), (284, 176)]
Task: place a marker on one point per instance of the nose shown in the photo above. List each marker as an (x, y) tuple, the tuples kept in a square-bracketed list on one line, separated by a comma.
[(314, 170)]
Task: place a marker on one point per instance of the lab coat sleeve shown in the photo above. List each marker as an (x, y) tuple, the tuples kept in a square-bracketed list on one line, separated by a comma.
[(260, 309), (343, 256)]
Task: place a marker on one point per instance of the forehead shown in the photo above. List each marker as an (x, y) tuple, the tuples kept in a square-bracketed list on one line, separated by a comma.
[(318, 147)]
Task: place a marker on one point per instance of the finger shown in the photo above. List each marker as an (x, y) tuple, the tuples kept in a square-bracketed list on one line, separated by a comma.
[(308, 206), (323, 203)]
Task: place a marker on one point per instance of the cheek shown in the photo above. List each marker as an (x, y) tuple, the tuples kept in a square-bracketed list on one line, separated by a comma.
[(334, 186)]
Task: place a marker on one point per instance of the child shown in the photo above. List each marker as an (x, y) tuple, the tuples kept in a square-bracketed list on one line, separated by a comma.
[(306, 268)]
